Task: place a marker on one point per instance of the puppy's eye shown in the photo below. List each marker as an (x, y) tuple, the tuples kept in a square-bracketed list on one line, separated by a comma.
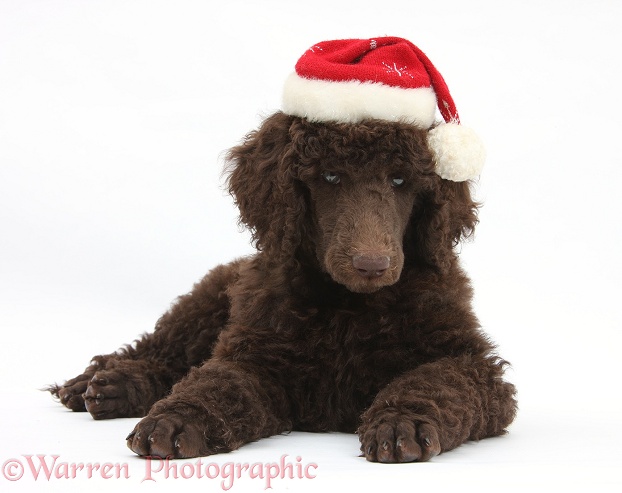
[(397, 181), (330, 177)]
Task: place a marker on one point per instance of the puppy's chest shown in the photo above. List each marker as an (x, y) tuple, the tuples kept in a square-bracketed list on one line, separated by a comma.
[(358, 351), (341, 363)]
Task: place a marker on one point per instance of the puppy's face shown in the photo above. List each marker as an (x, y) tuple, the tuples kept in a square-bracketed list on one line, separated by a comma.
[(363, 185)]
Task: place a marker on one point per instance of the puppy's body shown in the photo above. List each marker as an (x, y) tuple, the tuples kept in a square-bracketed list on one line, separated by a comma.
[(353, 316)]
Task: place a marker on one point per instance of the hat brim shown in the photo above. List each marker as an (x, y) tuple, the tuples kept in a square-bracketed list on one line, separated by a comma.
[(354, 101)]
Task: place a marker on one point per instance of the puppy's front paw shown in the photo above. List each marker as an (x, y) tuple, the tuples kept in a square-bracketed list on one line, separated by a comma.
[(172, 435), (399, 440)]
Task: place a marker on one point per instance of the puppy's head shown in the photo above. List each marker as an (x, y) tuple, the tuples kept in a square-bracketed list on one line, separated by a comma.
[(360, 199)]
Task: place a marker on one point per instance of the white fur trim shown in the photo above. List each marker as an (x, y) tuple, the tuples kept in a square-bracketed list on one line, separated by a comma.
[(459, 152), (353, 101)]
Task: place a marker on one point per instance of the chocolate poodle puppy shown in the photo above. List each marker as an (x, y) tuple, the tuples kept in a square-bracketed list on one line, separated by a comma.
[(354, 315)]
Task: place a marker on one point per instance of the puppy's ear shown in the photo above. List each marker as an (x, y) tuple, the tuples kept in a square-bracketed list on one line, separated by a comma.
[(261, 181), (445, 215)]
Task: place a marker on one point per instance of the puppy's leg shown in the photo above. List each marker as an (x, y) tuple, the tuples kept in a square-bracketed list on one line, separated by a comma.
[(435, 408), (128, 382), (216, 408)]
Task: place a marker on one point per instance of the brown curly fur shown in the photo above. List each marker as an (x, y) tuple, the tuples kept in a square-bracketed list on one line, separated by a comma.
[(301, 336)]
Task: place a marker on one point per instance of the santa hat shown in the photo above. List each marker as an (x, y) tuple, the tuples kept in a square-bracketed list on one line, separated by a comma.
[(386, 78)]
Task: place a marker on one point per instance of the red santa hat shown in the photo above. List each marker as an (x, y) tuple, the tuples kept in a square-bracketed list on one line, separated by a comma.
[(386, 78)]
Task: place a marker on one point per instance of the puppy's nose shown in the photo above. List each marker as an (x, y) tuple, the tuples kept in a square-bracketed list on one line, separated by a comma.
[(371, 265)]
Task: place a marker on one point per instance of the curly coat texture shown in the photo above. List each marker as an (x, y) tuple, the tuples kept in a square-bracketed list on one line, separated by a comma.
[(353, 316)]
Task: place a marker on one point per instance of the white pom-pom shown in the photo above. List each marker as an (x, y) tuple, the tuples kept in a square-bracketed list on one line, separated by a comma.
[(459, 152)]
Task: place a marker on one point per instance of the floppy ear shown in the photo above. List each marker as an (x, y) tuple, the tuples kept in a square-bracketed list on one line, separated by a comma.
[(261, 180), (445, 215)]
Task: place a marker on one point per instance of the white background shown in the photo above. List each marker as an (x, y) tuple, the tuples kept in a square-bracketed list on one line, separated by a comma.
[(114, 116)]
